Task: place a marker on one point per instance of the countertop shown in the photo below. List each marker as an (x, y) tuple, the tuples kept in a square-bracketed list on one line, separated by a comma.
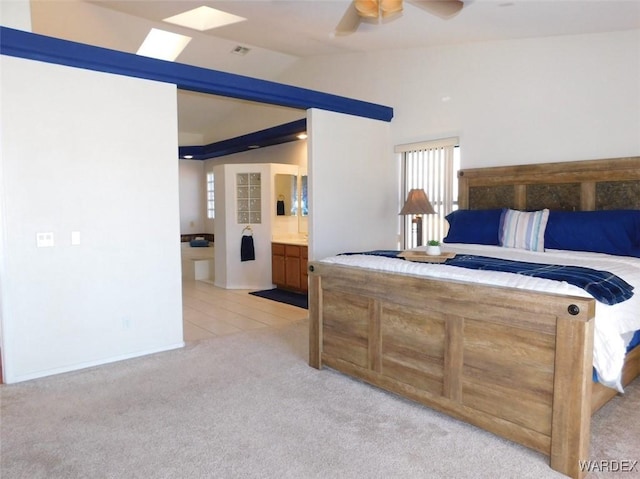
[(290, 240)]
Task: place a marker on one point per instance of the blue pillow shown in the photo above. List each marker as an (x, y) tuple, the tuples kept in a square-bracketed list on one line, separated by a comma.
[(474, 226), (614, 232)]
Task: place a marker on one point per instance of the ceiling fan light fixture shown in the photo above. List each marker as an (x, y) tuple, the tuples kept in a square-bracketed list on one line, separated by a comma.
[(390, 7), (367, 8), (382, 11), (378, 8)]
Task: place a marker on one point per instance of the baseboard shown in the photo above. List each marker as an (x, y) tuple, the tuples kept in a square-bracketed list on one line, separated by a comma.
[(90, 364)]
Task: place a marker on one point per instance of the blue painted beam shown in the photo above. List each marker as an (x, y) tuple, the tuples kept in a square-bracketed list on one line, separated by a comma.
[(32, 46), (268, 137)]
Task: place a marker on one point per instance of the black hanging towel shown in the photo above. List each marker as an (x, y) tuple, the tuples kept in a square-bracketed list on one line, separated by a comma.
[(247, 250)]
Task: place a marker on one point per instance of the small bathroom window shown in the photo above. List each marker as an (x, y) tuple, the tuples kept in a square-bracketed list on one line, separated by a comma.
[(249, 193)]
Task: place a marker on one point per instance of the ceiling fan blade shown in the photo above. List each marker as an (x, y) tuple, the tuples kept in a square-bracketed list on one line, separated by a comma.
[(441, 8), (349, 22)]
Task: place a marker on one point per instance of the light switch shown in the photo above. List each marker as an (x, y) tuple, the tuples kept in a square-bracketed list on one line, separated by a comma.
[(75, 237), (44, 240)]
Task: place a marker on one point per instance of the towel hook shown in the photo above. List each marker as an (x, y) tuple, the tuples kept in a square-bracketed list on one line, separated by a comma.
[(249, 229)]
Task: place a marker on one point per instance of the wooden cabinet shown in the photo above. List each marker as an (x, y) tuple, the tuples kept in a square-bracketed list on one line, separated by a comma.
[(289, 266), (277, 264)]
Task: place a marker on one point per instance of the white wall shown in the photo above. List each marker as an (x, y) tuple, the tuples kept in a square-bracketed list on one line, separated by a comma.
[(230, 271), (510, 102), (220, 231), (353, 185), (94, 153), (193, 196)]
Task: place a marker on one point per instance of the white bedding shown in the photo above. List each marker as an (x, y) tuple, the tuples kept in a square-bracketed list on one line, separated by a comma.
[(614, 324)]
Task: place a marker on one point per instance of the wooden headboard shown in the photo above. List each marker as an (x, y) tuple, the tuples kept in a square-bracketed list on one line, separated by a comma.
[(570, 186)]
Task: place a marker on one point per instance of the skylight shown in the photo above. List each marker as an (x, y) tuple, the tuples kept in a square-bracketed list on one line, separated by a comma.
[(163, 45), (204, 18)]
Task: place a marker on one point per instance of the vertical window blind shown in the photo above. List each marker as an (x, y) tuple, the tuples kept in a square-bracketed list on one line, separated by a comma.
[(431, 166)]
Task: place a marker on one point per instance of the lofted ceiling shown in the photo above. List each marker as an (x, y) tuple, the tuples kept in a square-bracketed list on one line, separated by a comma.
[(278, 33)]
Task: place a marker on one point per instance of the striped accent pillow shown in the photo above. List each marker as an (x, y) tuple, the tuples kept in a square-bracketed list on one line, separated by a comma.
[(523, 230)]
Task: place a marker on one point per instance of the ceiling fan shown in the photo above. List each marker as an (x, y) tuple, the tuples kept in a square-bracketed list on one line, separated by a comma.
[(374, 11)]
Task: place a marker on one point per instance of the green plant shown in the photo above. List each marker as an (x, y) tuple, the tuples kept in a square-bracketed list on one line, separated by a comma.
[(433, 243)]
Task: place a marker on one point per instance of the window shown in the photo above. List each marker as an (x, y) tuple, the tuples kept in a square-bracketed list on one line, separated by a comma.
[(249, 192), (211, 202), (431, 166)]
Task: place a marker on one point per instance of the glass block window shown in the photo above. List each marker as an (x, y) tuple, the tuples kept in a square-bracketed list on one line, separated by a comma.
[(211, 202), (249, 192)]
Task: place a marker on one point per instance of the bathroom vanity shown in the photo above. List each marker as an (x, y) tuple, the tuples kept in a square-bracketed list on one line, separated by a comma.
[(289, 252), (289, 265)]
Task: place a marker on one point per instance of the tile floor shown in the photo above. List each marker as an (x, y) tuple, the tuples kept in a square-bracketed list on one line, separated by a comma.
[(209, 311)]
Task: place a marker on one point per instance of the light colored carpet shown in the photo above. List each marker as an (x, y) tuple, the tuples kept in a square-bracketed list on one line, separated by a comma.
[(248, 406)]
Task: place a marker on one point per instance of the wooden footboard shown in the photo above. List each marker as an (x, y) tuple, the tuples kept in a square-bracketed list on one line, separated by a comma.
[(513, 362)]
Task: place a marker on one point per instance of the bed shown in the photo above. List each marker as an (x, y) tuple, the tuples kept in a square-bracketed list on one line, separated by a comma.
[(516, 362)]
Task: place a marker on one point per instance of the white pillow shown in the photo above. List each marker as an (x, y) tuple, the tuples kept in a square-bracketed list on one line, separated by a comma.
[(523, 230)]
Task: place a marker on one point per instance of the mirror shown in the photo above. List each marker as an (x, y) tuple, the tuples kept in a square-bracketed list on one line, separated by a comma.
[(291, 195), (286, 194)]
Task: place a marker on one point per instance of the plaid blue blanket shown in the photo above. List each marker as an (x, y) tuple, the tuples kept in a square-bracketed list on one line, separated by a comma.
[(603, 286)]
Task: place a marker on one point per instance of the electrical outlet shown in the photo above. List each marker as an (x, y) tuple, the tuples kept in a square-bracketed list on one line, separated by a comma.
[(44, 240)]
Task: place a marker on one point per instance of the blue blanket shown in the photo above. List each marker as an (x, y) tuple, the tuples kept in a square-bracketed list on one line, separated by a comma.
[(603, 286)]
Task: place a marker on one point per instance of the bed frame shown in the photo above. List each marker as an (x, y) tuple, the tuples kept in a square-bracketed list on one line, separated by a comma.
[(516, 363)]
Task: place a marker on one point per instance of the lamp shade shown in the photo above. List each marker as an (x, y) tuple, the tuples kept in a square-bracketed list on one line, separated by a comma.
[(417, 203)]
